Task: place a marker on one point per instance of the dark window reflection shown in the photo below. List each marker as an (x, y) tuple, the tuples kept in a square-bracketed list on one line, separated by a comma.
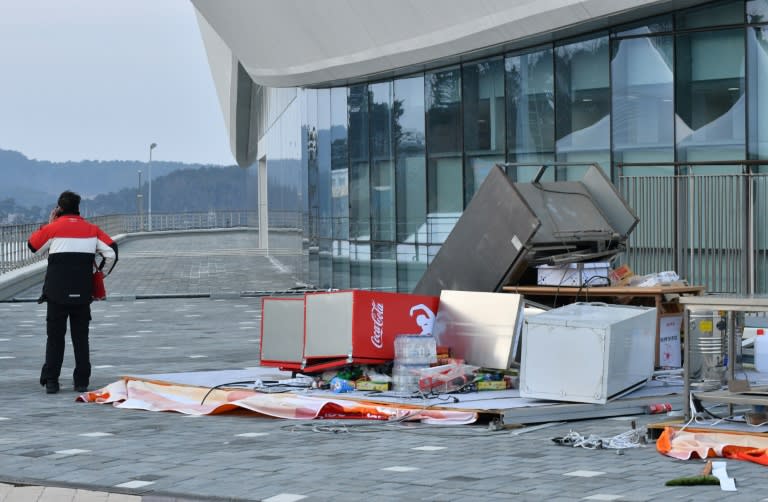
[(339, 188), (484, 129), (445, 199), (411, 179), (710, 97), (712, 14), (324, 184), (583, 103), (443, 93), (382, 162), (530, 90), (313, 196), (642, 86), (359, 188)]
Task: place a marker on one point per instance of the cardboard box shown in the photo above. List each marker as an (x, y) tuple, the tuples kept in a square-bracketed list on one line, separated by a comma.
[(574, 274), (620, 276)]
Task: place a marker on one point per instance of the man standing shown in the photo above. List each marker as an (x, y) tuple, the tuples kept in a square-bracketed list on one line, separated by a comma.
[(73, 245)]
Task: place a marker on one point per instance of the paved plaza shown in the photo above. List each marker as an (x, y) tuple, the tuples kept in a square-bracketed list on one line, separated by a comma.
[(53, 448)]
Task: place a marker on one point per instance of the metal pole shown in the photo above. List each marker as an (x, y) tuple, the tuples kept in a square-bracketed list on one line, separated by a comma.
[(139, 205), (149, 223)]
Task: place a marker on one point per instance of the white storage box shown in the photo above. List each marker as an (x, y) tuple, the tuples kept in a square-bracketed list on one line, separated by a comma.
[(587, 352), (574, 274)]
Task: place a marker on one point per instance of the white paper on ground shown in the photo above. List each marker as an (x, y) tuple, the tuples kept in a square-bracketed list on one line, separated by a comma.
[(726, 484)]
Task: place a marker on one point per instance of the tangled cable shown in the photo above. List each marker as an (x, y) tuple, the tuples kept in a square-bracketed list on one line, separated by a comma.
[(633, 438)]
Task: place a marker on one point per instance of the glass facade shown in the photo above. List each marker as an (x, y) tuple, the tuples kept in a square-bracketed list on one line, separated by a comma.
[(382, 170), (530, 107)]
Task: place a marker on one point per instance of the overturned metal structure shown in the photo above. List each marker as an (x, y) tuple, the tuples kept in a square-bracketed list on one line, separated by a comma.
[(508, 227)]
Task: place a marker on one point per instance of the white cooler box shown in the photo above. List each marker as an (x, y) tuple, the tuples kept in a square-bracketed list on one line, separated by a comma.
[(587, 352)]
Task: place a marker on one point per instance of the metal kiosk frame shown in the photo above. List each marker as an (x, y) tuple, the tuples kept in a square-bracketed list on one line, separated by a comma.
[(737, 392)]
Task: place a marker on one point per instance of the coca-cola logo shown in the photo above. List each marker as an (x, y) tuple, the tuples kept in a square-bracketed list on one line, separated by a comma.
[(377, 316), (425, 320)]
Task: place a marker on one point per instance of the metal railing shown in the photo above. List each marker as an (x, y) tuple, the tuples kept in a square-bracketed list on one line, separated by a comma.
[(15, 254), (704, 220)]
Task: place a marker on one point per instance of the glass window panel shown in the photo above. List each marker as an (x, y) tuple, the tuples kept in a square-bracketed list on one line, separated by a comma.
[(583, 102), (710, 97), (443, 96), (530, 92), (411, 170), (324, 184), (382, 163), (757, 11), (383, 267), (359, 176), (360, 265), (757, 50), (661, 24), (642, 85), (411, 265), (477, 168), (325, 263), (444, 180), (339, 188), (483, 100), (445, 188), (313, 196), (340, 264), (484, 128), (713, 14), (339, 164)]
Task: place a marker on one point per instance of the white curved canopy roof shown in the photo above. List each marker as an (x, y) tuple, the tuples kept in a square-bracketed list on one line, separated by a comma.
[(294, 43)]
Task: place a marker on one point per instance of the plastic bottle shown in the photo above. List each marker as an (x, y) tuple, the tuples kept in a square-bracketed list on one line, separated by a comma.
[(761, 351)]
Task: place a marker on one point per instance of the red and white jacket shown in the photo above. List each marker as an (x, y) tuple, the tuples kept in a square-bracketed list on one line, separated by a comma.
[(72, 244)]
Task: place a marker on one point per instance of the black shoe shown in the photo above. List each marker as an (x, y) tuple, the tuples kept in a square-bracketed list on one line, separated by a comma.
[(81, 388), (51, 387)]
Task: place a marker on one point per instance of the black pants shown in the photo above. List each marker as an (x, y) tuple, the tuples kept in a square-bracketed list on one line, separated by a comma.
[(56, 324)]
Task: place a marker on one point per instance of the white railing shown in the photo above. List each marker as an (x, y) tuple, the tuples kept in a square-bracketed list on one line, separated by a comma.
[(15, 254), (704, 220)]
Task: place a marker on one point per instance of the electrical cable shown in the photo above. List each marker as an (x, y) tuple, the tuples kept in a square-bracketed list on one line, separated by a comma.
[(252, 382), (585, 284), (632, 438)]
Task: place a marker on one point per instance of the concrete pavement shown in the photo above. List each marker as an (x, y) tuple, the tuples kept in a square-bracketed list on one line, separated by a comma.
[(52, 448)]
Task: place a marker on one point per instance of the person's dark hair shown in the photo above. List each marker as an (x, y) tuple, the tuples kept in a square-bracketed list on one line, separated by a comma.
[(69, 202)]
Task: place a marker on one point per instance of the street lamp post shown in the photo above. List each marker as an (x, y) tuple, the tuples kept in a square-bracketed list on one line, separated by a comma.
[(139, 204), (149, 216)]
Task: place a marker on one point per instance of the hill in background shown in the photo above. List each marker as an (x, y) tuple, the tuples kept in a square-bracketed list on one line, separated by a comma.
[(30, 187)]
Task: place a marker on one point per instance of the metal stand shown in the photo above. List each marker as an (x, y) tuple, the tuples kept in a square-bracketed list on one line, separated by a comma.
[(736, 392)]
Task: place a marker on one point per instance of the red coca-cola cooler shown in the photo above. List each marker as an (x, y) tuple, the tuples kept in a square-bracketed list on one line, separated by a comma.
[(346, 327), (282, 332)]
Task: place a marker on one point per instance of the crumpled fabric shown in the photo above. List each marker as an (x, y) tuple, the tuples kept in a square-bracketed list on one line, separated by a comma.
[(686, 444), (139, 394)]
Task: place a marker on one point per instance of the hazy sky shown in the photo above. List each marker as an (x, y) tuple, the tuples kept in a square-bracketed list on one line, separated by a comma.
[(102, 79)]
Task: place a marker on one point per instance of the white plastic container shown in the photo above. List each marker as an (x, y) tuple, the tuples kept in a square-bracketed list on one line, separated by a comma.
[(761, 350), (415, 349)]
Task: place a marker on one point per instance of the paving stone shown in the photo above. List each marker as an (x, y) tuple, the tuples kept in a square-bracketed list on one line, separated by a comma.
[(201, 457)]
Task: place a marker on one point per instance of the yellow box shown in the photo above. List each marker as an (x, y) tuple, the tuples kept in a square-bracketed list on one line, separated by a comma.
[(368, 385), (492, 385)]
